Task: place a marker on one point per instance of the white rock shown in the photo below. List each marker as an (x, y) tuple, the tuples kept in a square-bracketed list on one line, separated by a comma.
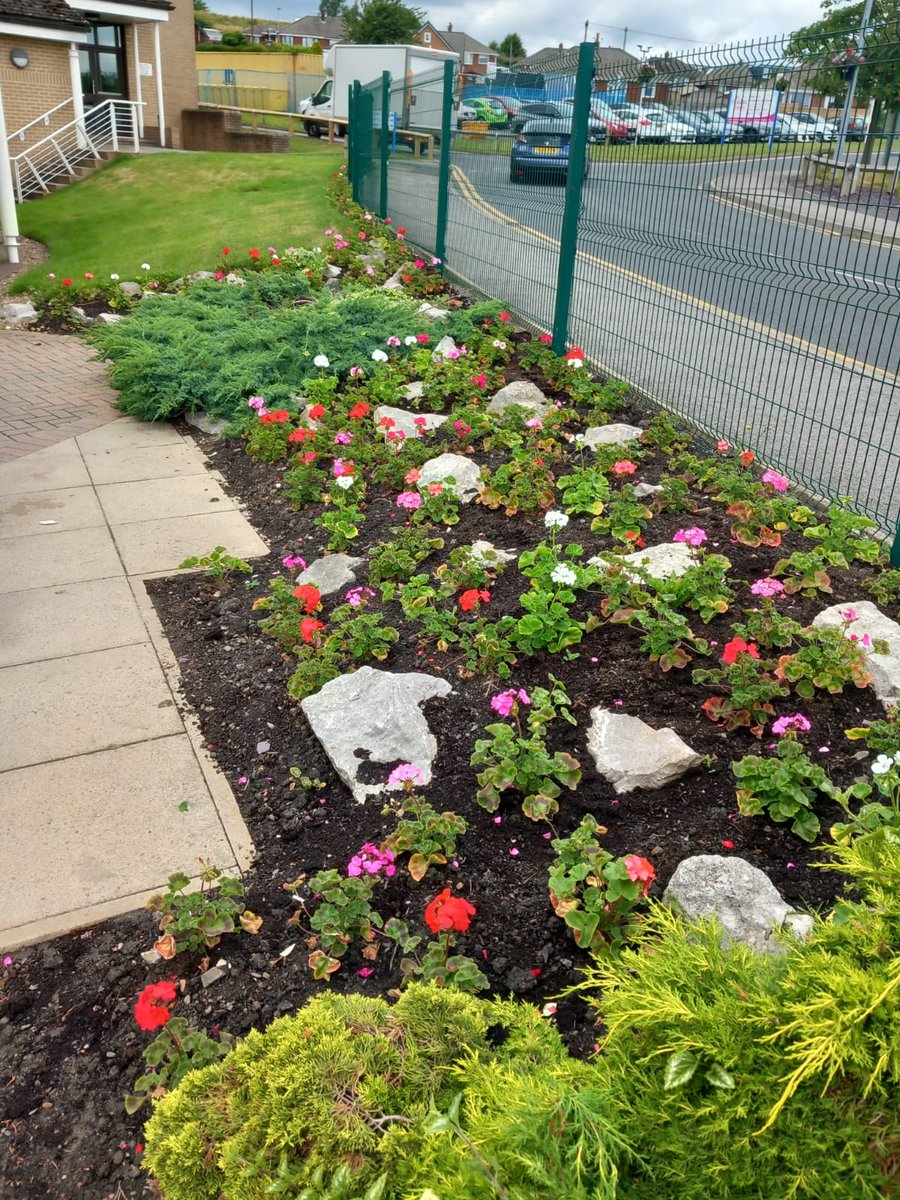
[(110, 318), (523, 394), (629, 754), (231, 277), (643, 490), (394, 284), (332, 271), (490, 555), (444, 347), (80, 317), (375, 717), (414, 390), (12, 315), (746, 903), (467, 475), (213, 975), (611, 435), (205, 423), (405, 421), (150, 956), (133, 291), (199, 275), (432, 313), (885, 668), (331, 573)]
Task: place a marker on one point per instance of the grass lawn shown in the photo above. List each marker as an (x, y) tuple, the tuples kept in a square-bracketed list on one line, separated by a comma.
[(501, 145), (175, 211)]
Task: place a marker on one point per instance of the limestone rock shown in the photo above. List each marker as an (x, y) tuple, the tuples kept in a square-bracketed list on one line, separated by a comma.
[(231, 277), (394, 284), (405, 421), (432, 313), (414, 390), (456, 466), (521, 393), (629, 754), (80, 317), (13, 315), (331, 573), (615, 434), (374, 717), (885, 668), (746, 903), (664, 561), (332, 271), (643, 490), (199, 275), (133, 291), (205, 423), (444, 347), (490, 555), (110, 318)]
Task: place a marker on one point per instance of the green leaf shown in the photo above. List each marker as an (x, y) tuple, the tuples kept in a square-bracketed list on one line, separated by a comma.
[(720, 1078), (376, 1190), (183, 806), (133, 1103), (680, 1069)]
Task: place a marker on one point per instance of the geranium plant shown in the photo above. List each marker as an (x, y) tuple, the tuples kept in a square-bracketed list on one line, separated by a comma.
[(196, 920)]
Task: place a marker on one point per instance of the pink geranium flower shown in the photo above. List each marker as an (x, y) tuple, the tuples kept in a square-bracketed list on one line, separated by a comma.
[(779, 482), (694, 536)]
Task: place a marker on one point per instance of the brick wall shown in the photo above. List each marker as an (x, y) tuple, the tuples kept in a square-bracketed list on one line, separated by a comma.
[(223, 132), (179, 72), (40, 86)]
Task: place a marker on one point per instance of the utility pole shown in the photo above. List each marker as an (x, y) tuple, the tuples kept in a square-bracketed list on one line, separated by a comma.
[(851, 87), (625, 38), (251, 20)]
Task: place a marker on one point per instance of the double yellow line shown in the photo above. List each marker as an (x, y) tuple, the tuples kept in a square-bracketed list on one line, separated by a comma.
[(471, 195)]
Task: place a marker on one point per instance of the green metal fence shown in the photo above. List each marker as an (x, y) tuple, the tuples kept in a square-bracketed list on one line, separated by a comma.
[(728, 241)]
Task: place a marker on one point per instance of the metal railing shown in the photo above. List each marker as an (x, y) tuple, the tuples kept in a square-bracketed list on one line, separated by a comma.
[(695, 255), (56, 158), (18, 135)]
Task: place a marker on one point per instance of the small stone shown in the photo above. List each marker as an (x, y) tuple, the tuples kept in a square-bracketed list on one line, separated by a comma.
[(133, 291), (414, 390), (611, 435), (394, 284), (432, 313), (198, 275), (369, 717), (444, 347), (332, 271), (666, 561), (150, 956), (213, 975), (231, 277), (263, 747), (331, 573), (630, 754), (521, 394), (643, 490), (405, 421), (488, 555), (80, 317), (885, 668), (13, 315), (465, 473), (743, 899), (110, 318), (205, 423)]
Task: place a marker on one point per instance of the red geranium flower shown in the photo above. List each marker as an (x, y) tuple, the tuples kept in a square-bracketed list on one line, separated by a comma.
[(276, 261), (406, 278), (448, 912), (575, 354), (254, 253), (150, 1012), (67, 283), (361, 235), (401, 230), (737, 646), (359, 410), (278, 417), (746, 457), (316, 412), (504, 316), (422, 339), (472, 598), (226, 250), (480, 380), (309, 626), (387, 423), (546, 338), (309, 457), (309, 596), (300, 435)]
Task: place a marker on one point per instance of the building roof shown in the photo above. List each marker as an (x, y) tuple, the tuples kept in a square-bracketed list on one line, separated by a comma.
[(317, 27), (460, 43), (53, 14), (565, 58)]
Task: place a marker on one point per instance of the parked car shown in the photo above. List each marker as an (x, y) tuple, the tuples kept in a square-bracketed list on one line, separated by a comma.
[(706, 130), (817, 126), (616, 129), (541, 151), (856, 129), (491, 110), (465, 112), (556, 110), (654, 124)]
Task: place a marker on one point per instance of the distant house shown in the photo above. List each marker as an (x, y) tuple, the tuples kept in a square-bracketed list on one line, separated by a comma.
[(475, 59), (612, 66), (312, 31)]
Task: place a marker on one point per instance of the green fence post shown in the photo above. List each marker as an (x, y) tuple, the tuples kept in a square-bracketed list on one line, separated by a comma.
[(895, 549), (443, 197), (568, 241), (385, 141), (355, 106)]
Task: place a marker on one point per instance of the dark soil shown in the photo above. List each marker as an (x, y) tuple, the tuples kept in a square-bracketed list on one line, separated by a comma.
[(68, 1043)]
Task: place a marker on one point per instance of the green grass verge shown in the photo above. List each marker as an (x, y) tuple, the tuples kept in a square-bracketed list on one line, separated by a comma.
[(648, 152), (175, 211)]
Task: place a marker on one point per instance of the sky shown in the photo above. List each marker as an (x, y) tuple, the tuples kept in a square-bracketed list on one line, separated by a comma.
[(661, 25)]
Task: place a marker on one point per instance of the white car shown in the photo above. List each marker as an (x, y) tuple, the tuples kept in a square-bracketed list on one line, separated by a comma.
[(818, 126), (654, 124)]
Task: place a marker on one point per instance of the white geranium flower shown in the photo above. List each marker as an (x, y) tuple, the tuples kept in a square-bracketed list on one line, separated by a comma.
[(344, 481), (575, 363), (882, 764), (563, 574), (410, 341), (114, 278), (145, 266), (554, 519), (379, 356), (321, 360)]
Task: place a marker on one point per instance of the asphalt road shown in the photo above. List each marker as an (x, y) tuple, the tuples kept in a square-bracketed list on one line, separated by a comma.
[(755, 327)]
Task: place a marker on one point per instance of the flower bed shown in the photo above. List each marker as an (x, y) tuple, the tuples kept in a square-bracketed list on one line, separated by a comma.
[(514, 855)]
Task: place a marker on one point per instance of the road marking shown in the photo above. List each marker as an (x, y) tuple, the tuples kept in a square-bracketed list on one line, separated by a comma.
[(813, 349)]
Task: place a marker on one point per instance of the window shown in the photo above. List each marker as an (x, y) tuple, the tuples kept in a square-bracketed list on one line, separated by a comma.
[(483, 59), (426, 38), (103, 63), (470, 58)]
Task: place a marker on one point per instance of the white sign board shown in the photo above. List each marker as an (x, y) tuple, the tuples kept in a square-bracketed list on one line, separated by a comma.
[(752, 104), (145, 69)]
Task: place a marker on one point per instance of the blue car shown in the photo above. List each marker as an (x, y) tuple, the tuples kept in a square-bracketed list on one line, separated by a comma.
[(541, 151)]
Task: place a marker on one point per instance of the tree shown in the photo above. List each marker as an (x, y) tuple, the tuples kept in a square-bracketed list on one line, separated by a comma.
[(201, 6), (330, 8), (510, 50), (381, 22), (233, 38)]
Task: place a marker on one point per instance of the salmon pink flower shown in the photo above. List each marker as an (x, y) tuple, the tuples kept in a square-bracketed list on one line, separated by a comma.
[(446, 912), (746, 457), (723, 446), (412, 476), (624, 467), (640, 871)]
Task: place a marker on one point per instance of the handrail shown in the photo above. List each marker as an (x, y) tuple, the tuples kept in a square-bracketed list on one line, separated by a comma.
[(270, 112), (44, 117)]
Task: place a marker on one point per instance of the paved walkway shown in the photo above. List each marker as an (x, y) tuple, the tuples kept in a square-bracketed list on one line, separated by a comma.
[(96, 757)]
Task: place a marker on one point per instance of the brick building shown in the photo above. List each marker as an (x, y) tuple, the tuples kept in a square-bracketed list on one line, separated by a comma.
[(475, 59)]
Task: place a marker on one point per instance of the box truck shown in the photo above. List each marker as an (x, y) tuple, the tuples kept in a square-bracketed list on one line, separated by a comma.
[(412, 107)]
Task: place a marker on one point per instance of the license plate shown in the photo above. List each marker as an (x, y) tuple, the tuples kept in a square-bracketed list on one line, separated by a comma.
[(546, 150)]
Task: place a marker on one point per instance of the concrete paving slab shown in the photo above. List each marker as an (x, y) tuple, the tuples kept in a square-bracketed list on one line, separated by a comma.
[(148, 500), (58, 466), (67, 508), (127, 434), (83, 703), (149, 462), (153, 546), (71, 556), (72, 618), (100, 828)]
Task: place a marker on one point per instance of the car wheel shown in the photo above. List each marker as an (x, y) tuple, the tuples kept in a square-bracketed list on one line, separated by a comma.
[(312, 129)]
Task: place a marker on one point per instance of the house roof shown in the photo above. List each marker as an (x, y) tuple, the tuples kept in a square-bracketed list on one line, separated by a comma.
[(565, 58), (327, 27), (460, 43), (54, 14)]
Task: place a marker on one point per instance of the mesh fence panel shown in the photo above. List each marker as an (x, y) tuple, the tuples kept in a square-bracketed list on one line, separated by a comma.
[(274, 91), (724, 264)]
